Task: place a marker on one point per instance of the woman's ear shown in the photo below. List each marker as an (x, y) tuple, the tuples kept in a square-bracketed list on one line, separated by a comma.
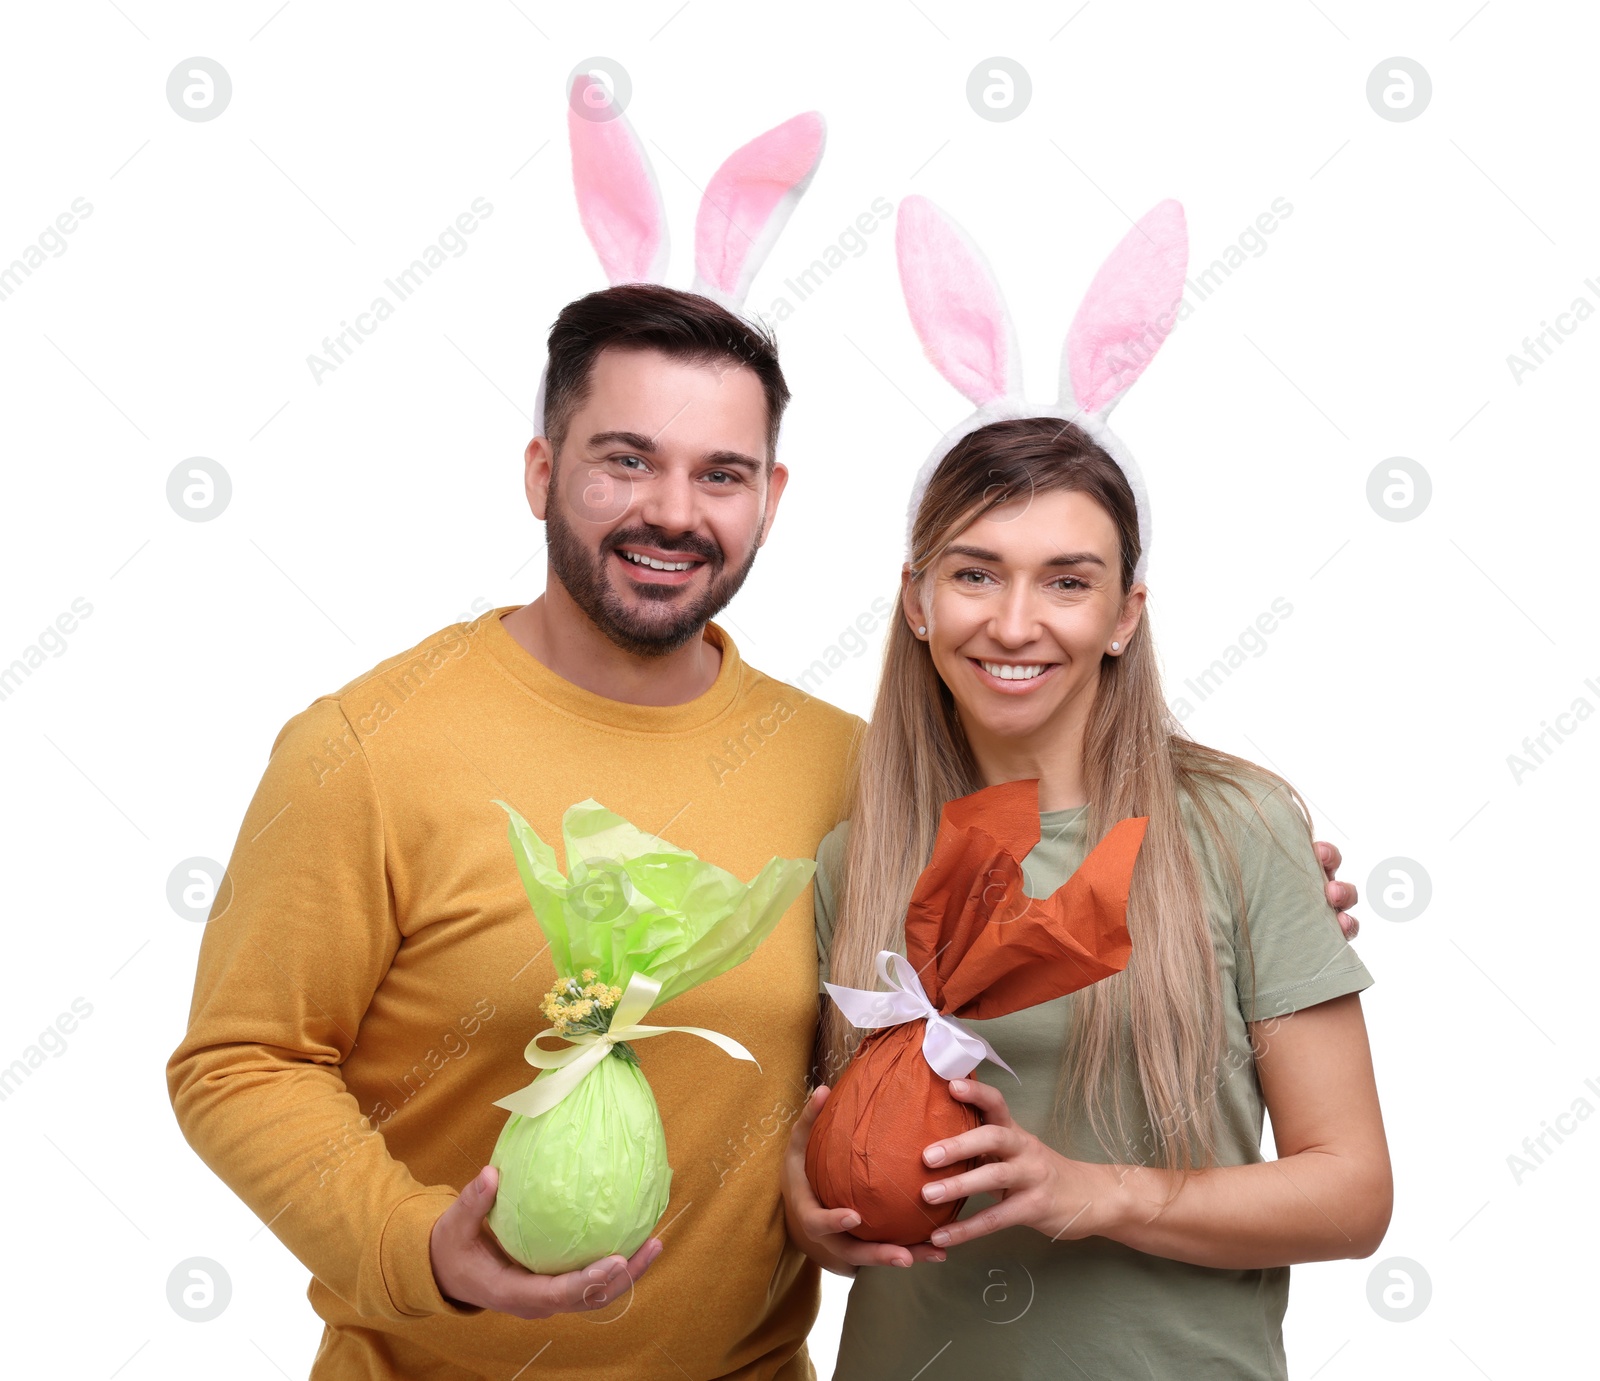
[(911, 603), (1132, 613)]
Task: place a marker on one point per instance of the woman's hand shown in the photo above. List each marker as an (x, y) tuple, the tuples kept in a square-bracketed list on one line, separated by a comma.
[(472, 1269), (1036, 1187), (821, 1233), (1328, 1196)]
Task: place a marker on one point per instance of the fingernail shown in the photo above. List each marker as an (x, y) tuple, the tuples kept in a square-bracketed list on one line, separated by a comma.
[(958, 1086), (902, 1263), (939, 1257), (482, 1182), (933, 1193), (595, 1273), (940, 1238), (934, 1155), (851, 1220)]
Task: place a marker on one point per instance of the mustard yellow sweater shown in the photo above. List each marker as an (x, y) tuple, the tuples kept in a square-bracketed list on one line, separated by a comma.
[(366, 985)]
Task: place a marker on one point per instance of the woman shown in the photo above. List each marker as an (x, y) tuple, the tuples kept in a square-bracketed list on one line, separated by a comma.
[(1123, 1222)]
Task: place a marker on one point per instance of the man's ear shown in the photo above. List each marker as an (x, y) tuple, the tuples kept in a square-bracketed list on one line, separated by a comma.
[(776, 482), (538, 462), (911, 602)]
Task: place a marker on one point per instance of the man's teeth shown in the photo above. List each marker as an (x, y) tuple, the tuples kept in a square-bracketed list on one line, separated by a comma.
[(1012, 673), (655, 565)]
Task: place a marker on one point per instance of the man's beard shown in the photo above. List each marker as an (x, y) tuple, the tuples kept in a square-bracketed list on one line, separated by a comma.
[(586, 578)]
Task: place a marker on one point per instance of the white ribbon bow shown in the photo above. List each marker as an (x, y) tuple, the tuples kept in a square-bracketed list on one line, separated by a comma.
[(951, 1049), (568, 1065)]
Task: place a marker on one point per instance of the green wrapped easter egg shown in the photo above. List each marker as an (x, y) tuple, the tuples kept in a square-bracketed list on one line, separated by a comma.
[(585, 1179), (635, 922)]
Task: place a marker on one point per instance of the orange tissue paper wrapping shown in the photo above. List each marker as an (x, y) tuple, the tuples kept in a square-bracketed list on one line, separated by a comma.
[(976, 947)]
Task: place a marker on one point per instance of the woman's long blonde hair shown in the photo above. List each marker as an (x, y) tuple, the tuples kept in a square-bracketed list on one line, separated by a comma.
[(1137, 761)]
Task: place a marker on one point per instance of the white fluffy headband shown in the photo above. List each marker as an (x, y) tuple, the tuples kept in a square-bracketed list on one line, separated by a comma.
[(961, 317), (742, 211)]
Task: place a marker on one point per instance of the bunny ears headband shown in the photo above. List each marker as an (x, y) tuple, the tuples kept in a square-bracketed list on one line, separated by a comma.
[(956, 306), (961, 318), (742, 211)]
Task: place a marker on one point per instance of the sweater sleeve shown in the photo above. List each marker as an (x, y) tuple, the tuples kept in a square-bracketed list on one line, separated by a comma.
[(300, 935)]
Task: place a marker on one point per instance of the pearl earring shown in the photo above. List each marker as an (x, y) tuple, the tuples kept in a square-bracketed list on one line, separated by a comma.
[(1116, 647), (921, 629)]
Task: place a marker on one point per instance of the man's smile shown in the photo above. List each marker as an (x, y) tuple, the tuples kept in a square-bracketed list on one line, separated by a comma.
[(653, 566)]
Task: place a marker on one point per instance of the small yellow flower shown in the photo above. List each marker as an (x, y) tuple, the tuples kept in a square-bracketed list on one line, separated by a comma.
[(568, 1006)]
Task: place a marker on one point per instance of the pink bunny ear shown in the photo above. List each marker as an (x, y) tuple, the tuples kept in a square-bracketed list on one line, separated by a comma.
[(618, 201), (955, 304), (749, 200), (1127, 312)]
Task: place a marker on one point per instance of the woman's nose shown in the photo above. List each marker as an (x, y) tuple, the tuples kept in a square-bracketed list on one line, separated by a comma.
[(1016, 621)]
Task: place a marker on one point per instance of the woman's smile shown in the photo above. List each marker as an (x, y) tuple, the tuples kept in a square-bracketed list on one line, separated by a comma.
[(1013, 678)]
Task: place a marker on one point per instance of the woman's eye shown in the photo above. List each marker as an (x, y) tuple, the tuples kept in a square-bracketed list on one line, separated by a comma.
[(977, 576)]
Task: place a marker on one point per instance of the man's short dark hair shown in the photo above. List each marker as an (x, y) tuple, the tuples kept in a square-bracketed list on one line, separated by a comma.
[(646, 316)]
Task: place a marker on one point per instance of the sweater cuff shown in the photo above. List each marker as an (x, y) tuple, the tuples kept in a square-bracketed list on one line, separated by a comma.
[(404, 1260)]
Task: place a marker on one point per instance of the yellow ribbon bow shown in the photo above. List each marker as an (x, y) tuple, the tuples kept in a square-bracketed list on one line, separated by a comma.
[(565, 1068)]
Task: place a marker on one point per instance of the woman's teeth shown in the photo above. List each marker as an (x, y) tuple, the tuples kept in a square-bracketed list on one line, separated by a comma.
[(1012, 673), (655, 565)]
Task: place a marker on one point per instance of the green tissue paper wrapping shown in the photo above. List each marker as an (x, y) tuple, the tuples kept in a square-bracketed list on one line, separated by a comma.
[(583, 1156), (585, 1179)]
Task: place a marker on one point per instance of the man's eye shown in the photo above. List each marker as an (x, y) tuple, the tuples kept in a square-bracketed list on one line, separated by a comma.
[(722, 477), (625, 460)]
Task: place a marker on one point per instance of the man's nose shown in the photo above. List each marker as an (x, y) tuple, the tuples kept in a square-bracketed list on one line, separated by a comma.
[(667, 502)]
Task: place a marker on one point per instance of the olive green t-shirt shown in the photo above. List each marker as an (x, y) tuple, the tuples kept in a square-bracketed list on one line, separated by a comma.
[(1017, 1305)]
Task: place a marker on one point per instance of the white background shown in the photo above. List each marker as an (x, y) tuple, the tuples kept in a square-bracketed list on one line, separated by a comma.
[(381, 503)]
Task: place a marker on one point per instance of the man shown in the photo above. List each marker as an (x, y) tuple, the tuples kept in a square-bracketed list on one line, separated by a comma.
[(367, 992)]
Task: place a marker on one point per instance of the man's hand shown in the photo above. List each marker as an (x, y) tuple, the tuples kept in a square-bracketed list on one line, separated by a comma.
[(1341, 895), (472, 1268), (821, 1233)]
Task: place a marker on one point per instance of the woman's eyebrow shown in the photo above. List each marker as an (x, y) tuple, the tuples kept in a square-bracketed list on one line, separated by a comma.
[(1072, 558)]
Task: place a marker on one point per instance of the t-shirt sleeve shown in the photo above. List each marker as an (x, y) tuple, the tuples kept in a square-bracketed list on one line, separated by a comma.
[(830, 860), (299, 937), (1300, 954)]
